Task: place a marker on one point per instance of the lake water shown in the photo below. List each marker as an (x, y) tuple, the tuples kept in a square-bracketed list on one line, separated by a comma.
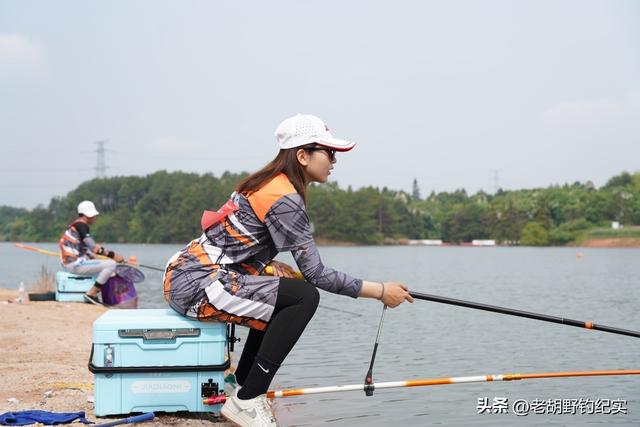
[(429, 340)]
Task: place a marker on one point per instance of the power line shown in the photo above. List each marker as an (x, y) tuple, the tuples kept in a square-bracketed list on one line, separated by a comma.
[(30, 152), (19, 187), (39, 170), (204, 158)]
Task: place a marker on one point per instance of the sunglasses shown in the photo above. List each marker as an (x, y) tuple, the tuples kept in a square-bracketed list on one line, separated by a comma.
[(331, 153)]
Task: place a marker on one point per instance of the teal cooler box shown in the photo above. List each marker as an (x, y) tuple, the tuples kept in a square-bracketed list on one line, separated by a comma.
[(71, 287), (156, 360)]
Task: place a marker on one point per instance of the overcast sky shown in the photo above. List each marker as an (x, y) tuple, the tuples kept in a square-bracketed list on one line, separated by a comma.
[(447, 92)]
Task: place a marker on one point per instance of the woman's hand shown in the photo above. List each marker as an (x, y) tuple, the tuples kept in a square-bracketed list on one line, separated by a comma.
[(281, 269), (395, 293)]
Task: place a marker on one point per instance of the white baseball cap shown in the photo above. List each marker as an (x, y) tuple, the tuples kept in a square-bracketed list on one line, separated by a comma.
[(88, 209), (303, 129)]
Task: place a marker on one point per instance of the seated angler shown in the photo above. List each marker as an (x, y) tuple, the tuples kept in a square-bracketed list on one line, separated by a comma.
[(78, 252), (217, 277)]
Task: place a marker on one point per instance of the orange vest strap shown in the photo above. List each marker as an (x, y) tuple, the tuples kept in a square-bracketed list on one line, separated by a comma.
[(210, 218), (262, 200)]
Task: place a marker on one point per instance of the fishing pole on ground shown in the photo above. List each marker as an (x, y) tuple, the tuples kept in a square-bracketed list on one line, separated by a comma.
[(272, 394), (369, 386)]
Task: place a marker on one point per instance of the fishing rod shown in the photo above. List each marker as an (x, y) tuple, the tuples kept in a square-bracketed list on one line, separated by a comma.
[(527, 314), (510, 311), (269, 270), (272, 394), (52, 253), (148, 267), (369, 386), (127, 270)]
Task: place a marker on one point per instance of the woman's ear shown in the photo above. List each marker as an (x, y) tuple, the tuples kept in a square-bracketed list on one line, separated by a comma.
[(303, 157)]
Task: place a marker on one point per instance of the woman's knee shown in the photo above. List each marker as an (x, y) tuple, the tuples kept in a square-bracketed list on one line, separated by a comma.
[(298, 292), (110, 265), (316, 296), (312, 296)]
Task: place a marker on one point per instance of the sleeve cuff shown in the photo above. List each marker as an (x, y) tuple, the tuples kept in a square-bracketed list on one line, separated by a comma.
[(357, 289)]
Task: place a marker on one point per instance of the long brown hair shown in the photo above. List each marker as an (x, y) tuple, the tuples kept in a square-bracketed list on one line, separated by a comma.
[(285, 162)]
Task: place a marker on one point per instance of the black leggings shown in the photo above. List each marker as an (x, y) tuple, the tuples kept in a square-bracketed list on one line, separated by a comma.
[(296, 303)]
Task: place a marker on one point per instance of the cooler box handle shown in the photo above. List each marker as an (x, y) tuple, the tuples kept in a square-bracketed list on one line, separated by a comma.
[(158, 334), (154, 369)]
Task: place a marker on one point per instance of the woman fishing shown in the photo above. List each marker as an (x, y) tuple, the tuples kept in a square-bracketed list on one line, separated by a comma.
[(217, 277)]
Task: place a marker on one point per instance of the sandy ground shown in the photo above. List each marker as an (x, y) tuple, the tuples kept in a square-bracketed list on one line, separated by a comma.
[(44, 353), (620, 242)]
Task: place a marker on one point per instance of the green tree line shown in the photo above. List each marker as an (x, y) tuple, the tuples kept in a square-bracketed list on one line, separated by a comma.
[(166, 207)]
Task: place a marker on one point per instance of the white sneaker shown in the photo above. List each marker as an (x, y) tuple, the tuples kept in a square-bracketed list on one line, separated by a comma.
[(254, 412), (231, 386), (232, 389)]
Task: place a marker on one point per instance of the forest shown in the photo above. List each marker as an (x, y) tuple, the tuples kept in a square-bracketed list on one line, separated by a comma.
[(165, 207)]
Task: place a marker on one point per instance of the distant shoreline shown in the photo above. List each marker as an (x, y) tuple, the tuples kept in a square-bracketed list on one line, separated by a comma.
[(616, 242), (619, 242), (608, 242)]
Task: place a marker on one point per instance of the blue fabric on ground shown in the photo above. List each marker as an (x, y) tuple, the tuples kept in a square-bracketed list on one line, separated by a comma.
[(23, 418)]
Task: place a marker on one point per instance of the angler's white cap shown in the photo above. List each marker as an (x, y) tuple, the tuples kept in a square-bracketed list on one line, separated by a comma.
[(303, 129), (87, 209)]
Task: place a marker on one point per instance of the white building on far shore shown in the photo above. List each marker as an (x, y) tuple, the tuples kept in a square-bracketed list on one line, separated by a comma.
[(483, 243), (426, 242)]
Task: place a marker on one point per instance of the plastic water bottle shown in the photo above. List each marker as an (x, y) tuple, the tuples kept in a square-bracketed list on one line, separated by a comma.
[(21, 297)]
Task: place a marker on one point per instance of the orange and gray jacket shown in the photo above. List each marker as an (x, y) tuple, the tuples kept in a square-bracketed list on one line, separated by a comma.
[(241, 239), (76, 242)]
